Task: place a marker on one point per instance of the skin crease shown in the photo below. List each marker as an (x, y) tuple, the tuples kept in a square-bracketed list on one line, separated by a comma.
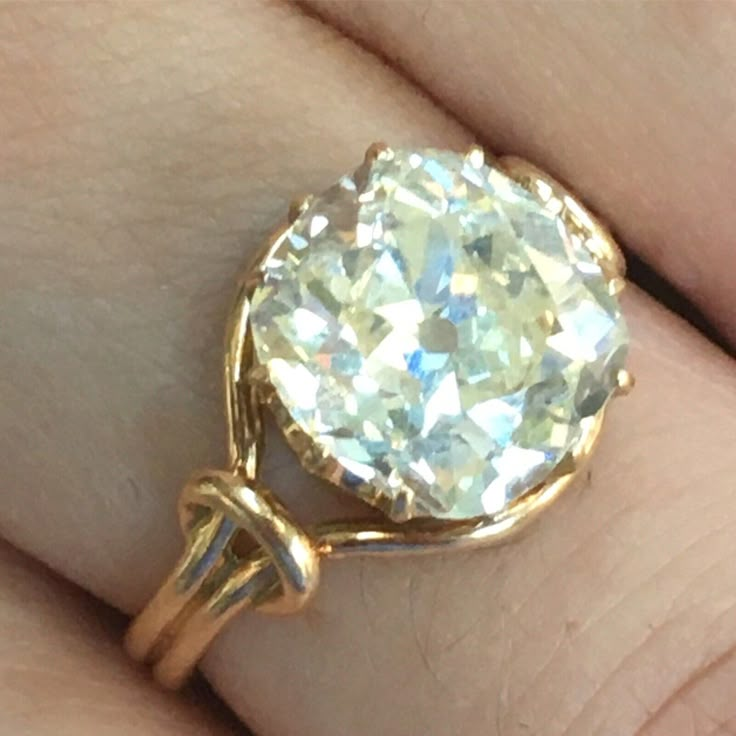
[(145, 151), (62, 672)]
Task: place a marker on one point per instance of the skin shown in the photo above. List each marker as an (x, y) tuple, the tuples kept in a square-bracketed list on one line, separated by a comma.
[(147, 149)]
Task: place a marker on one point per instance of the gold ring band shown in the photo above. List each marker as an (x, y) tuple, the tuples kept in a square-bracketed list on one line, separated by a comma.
[(243, 549)]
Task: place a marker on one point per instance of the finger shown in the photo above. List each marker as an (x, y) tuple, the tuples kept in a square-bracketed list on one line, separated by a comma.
[(62, 671), (114, 353), (633, 103)]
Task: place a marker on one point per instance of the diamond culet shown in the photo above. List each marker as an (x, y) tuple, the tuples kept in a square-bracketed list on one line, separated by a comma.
[(436, 338)]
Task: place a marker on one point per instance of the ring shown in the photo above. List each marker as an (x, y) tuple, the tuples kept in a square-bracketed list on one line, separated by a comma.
[(438, 334)]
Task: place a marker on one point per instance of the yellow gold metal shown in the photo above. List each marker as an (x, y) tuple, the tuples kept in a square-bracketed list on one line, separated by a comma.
[(476, 156), (616, 285), (379, 148), (625, 381), (243, 549)]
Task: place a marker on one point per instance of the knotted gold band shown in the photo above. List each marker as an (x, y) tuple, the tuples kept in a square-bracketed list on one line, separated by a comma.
[(217, 577)]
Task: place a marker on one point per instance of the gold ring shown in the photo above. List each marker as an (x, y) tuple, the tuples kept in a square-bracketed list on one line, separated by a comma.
[(438, 334)]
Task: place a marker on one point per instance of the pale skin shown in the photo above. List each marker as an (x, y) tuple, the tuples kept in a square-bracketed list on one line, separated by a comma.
[(146, 150)]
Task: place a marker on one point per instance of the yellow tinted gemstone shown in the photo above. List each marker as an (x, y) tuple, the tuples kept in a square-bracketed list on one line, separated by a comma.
[(437, 333)]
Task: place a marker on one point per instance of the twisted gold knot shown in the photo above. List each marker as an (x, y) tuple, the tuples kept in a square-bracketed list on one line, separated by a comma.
[(243, 549)]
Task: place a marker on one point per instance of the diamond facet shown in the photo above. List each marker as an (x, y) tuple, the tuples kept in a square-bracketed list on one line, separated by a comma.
[(436, 334)]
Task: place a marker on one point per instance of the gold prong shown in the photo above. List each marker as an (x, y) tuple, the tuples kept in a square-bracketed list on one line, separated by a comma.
[(591, 427), (299, 206), (376, 150), (616, 285), (403, 506), (625, 382), (476, 156)]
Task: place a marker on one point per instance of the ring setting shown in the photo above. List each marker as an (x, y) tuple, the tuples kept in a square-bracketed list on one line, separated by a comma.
[(438, 334)]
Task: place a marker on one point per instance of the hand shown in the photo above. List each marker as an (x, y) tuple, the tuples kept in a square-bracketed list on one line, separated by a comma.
[(147, 149)]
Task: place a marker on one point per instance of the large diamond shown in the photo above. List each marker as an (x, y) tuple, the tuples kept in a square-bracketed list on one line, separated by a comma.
[(437, 334)]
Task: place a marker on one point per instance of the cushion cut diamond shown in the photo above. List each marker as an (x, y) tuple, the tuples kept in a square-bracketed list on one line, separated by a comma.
[(437, 333)]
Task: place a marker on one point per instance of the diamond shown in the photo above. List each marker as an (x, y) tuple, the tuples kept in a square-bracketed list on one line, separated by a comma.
[(435, 335)]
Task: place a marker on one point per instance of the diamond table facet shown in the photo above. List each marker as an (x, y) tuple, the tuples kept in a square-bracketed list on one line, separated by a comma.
[(435, 334)]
